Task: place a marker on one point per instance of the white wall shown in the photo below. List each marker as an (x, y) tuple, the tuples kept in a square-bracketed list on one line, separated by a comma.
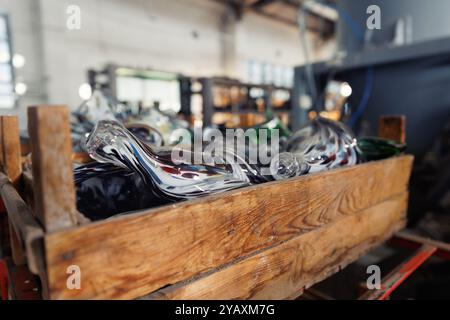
[(141, 33), (155, 34), (25, 23), (266, 40)]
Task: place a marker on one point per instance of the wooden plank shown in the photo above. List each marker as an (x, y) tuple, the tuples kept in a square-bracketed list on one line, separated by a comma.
[(27, 193), (130, 256), (81, 157), (51, 147), (393, 128), (11, 160), (30, 233), (284, 271), (12, 166)]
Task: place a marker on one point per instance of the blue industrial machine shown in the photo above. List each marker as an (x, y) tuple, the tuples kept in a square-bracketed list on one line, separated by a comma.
[(410, 78)]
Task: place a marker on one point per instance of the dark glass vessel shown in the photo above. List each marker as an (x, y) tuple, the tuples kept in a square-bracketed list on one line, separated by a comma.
[(374, 148), (104, 190)]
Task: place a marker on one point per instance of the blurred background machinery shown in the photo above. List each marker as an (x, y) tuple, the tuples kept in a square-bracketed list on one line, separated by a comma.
[(402, 68)]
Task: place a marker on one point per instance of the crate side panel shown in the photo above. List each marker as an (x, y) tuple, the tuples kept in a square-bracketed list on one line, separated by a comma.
[(284, 271), (133, 255)]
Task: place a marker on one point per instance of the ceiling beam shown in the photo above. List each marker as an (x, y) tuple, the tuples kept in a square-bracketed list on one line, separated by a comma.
[(261, 3), (314, 22), (275, 17)]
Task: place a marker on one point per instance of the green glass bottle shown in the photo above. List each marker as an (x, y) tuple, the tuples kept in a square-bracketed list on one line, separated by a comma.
[(374, 148)]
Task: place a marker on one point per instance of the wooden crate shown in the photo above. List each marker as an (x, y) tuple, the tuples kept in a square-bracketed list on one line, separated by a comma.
[(269, 241)]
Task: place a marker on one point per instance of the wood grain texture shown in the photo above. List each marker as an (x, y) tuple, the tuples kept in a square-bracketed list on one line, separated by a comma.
[(393, 128), (12, 167), (284, 271), (28, 193), (10, 148), (130, 256), (30, 233), (51, 147)]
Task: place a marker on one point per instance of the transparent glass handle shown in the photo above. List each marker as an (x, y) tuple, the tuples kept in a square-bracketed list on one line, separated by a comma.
[(111, 142)]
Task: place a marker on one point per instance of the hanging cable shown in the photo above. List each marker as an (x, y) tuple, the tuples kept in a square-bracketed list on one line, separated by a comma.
[(356, 116), (309, 69)]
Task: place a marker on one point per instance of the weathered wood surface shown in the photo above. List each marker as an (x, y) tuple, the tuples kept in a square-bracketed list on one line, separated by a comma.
[(284, 271), (30, 233), (10, 143), (393, 128), (28, 193), (51, 147), (81, 157), (12, 167), (130, 256)]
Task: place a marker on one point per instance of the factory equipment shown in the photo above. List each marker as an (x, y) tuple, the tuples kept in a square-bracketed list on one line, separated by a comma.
[(140, 88), (386, 78), (237, 104)]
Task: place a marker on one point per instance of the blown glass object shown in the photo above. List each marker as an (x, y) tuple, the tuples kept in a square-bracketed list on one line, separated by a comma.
[(100, 106), (274, 124), (321, 145), (104, 190), (374, 148), (110, 142), (166, 124), (103, 106), (147, 134)]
